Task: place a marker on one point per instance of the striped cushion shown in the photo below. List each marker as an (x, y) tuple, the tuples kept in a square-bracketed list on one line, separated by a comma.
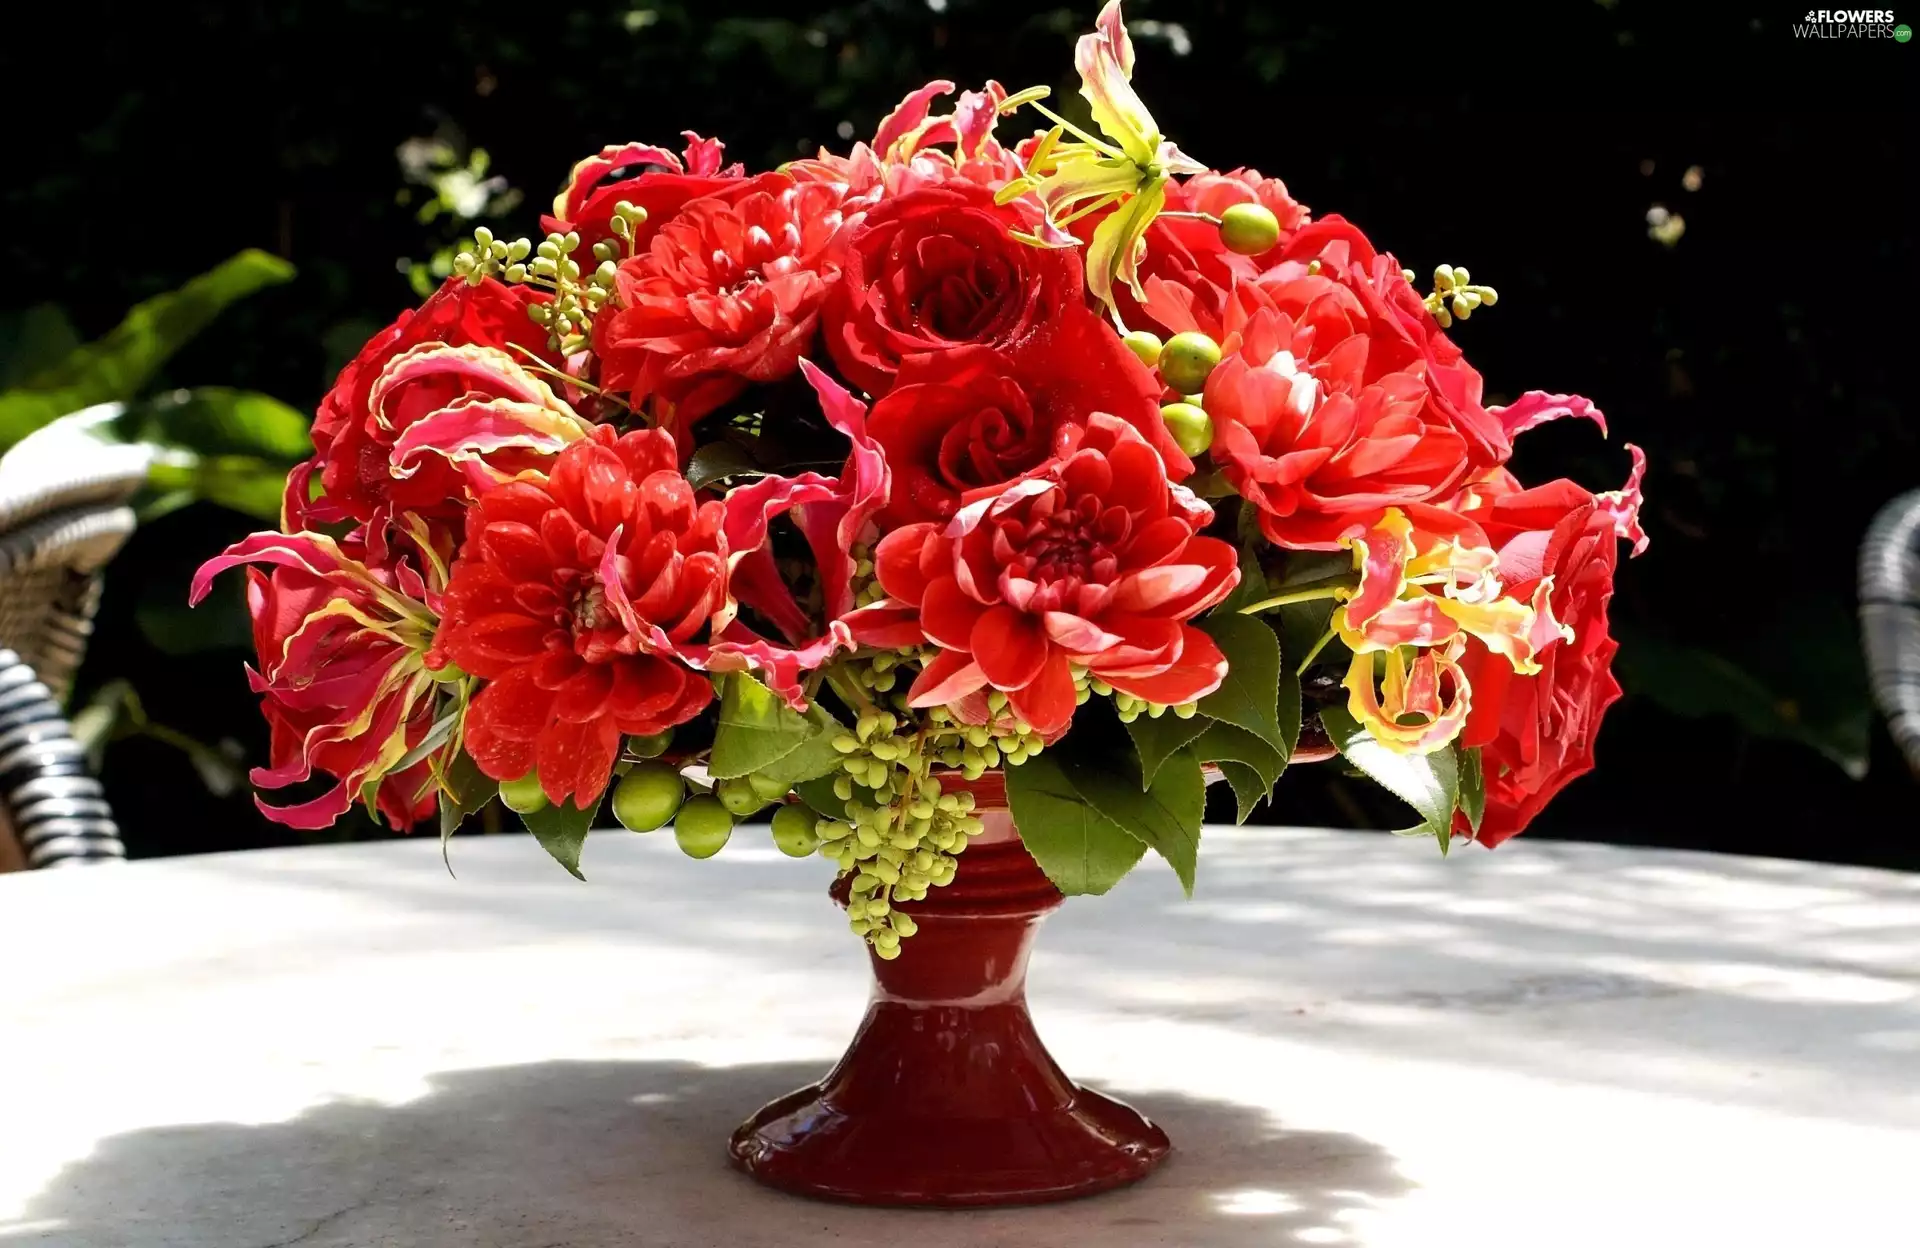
[(1890, 617)]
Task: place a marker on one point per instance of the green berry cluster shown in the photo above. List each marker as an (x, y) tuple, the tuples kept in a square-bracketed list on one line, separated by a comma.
[(652, 792), (903, 831), (1454, 298), (898, 841), (577, 296), (1130, 708), (1184, 361), (866, 589)]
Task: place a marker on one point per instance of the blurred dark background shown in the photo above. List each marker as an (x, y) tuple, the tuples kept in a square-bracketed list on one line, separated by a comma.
[(1695, 218)]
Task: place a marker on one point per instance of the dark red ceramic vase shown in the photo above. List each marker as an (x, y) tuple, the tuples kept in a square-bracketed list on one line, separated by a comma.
[(947, 1097)]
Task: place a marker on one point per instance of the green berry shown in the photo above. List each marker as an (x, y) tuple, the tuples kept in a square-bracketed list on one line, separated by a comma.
[(738, 796), (647, 796), (768, 789), (793, 831), (1191, 427), (650, 747), (702, 827), (523, 796), (1143, 344), (1187, 360), (1249, 229)]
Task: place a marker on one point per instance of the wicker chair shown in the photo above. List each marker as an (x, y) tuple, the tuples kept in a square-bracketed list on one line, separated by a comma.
[(63, 515), (1890, 617)]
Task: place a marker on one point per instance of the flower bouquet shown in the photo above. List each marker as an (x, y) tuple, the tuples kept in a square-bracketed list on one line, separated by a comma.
[(971, 501)]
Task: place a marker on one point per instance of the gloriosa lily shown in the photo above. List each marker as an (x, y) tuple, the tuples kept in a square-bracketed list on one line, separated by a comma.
[(1430, 592), (342, 635), (1126, 171)]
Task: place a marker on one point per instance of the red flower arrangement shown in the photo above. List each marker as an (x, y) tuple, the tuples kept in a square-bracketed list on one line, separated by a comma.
[(847, 477)]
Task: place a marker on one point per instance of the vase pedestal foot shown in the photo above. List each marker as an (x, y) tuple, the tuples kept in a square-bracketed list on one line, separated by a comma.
[(801, 1144), (946, 1096), (1029, 1136)]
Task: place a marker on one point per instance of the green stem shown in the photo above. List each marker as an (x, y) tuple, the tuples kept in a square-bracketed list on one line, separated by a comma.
[(1314, 653), (849, 689), (1306, 593), (1208, 217)]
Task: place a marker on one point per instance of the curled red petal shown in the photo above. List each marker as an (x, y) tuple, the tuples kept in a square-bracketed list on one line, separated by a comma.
[(1198, 672), (1047, 701), (951, 676), (1010, 646)]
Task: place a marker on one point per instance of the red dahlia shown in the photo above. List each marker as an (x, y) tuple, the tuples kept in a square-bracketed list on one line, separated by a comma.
[(728, 292), (1092, 560), (571, 597)]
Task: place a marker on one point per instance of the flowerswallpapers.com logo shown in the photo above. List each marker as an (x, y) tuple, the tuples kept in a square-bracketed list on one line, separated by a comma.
[(1851, 24)]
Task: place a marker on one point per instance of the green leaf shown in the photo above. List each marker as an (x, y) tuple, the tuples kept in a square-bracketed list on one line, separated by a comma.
[(1249, 696), (561, 831), (115, 712), (1226, 743), (816, 758), (759, 734), (1249, 787), (117, 366), (1095, 773), (1253, 578), (1302, 625), (1082, 851), (818, 794), (31, 340), (1288, 711), (467, 790), (1430, 783), (716, 461), (213, 420), (245, 483), (176, 630), (1804, 681), (1473, 785), (1157, 740), (437, 736), (1166, 816)]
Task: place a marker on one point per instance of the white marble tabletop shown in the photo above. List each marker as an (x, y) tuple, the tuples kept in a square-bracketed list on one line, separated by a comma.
[(1351, 1041)]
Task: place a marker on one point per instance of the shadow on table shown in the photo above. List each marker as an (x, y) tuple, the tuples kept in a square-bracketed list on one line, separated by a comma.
[(586, 1154)]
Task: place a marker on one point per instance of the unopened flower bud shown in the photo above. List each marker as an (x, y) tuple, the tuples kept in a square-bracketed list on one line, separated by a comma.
[(1191, 427), (1187, 360), (1143, 344), (1249, 229)]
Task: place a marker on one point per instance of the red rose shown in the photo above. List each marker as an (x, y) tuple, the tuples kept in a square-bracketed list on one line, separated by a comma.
[(728, 292), (570, 598), (1092, 560), (355, 444), (646, 176), (1536, 733), (935, 268), (969, 418)]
